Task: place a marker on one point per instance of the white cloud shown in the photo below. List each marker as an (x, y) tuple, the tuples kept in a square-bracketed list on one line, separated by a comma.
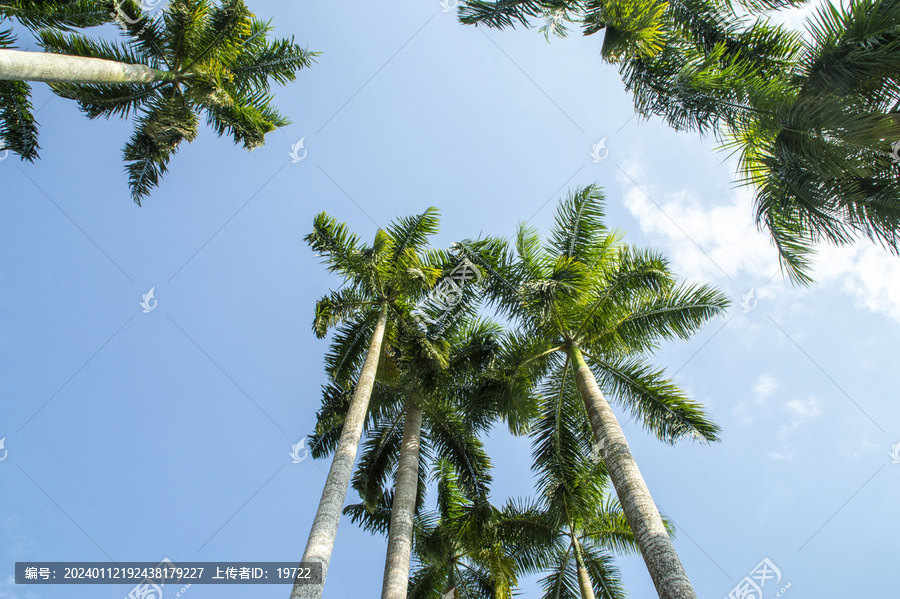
[(765, 386), (731, 248), (747, 410), (800, 412), (729, 244), (869, 274)]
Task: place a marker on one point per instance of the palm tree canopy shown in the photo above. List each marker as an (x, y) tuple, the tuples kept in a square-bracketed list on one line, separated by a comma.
[(456, 546), (813, 119), (819, 153), (585, 288), (438, 377), (217, 59)]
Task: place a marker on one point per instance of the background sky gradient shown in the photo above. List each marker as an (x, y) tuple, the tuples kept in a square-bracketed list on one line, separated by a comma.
[(135, 436)]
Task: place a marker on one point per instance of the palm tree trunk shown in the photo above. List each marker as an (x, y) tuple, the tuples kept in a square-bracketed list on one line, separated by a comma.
[(450, 590), (62, 68), (584, 581), (325, 525), (403, 510), (659, 554)]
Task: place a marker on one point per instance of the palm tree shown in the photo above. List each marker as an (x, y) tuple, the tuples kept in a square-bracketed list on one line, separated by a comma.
[(193, 57), (458, 550), (422, 407), (819, 153), (585, 296), (381, 282), (814, 120), (572, 529), (18, 127)]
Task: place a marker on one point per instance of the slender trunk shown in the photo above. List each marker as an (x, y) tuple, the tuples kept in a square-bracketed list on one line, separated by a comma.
[(450, 591), (659, 554), (584, 581), (325, 525), (62, 68), (403, 510)]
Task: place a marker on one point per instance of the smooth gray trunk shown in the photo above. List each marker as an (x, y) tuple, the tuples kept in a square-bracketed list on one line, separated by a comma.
[(659, 554), (403, 510), (62, 68), (328, 516), (584, 581)]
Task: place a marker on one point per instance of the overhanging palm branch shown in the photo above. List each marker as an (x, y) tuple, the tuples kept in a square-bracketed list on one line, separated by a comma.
[(202, 58)]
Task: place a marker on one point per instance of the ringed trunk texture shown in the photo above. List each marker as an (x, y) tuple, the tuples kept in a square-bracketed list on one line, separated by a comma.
[(62, 68), (584, 581), (659, 554), (328, 516), (403, 510)]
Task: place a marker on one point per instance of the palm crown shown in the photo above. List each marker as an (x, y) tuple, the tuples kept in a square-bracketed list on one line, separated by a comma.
[(587, 289), (212, 59), (391, 274)]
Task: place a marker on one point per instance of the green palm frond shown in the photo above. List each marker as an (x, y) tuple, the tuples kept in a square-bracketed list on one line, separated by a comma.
[(579, 231), (653, 400), (412, 232), (217, 57), (160, 130), (562, 582), (678, 312), (504, 13), (329, 421), (58, 14), (18, 128), (604, 575), (75, 44)]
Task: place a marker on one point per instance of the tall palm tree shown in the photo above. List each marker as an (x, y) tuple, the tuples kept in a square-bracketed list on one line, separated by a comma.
[(458, 548), (192, 57), (594, 308), (381, 282), (572, 529), (18, 127), (421, 408)]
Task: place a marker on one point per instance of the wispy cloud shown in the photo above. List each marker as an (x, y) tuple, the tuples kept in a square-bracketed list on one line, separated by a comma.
[(746, 411), (719, 242), (800, 411)]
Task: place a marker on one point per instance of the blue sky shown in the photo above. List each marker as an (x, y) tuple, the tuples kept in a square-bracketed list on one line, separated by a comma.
[(136, 436)]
